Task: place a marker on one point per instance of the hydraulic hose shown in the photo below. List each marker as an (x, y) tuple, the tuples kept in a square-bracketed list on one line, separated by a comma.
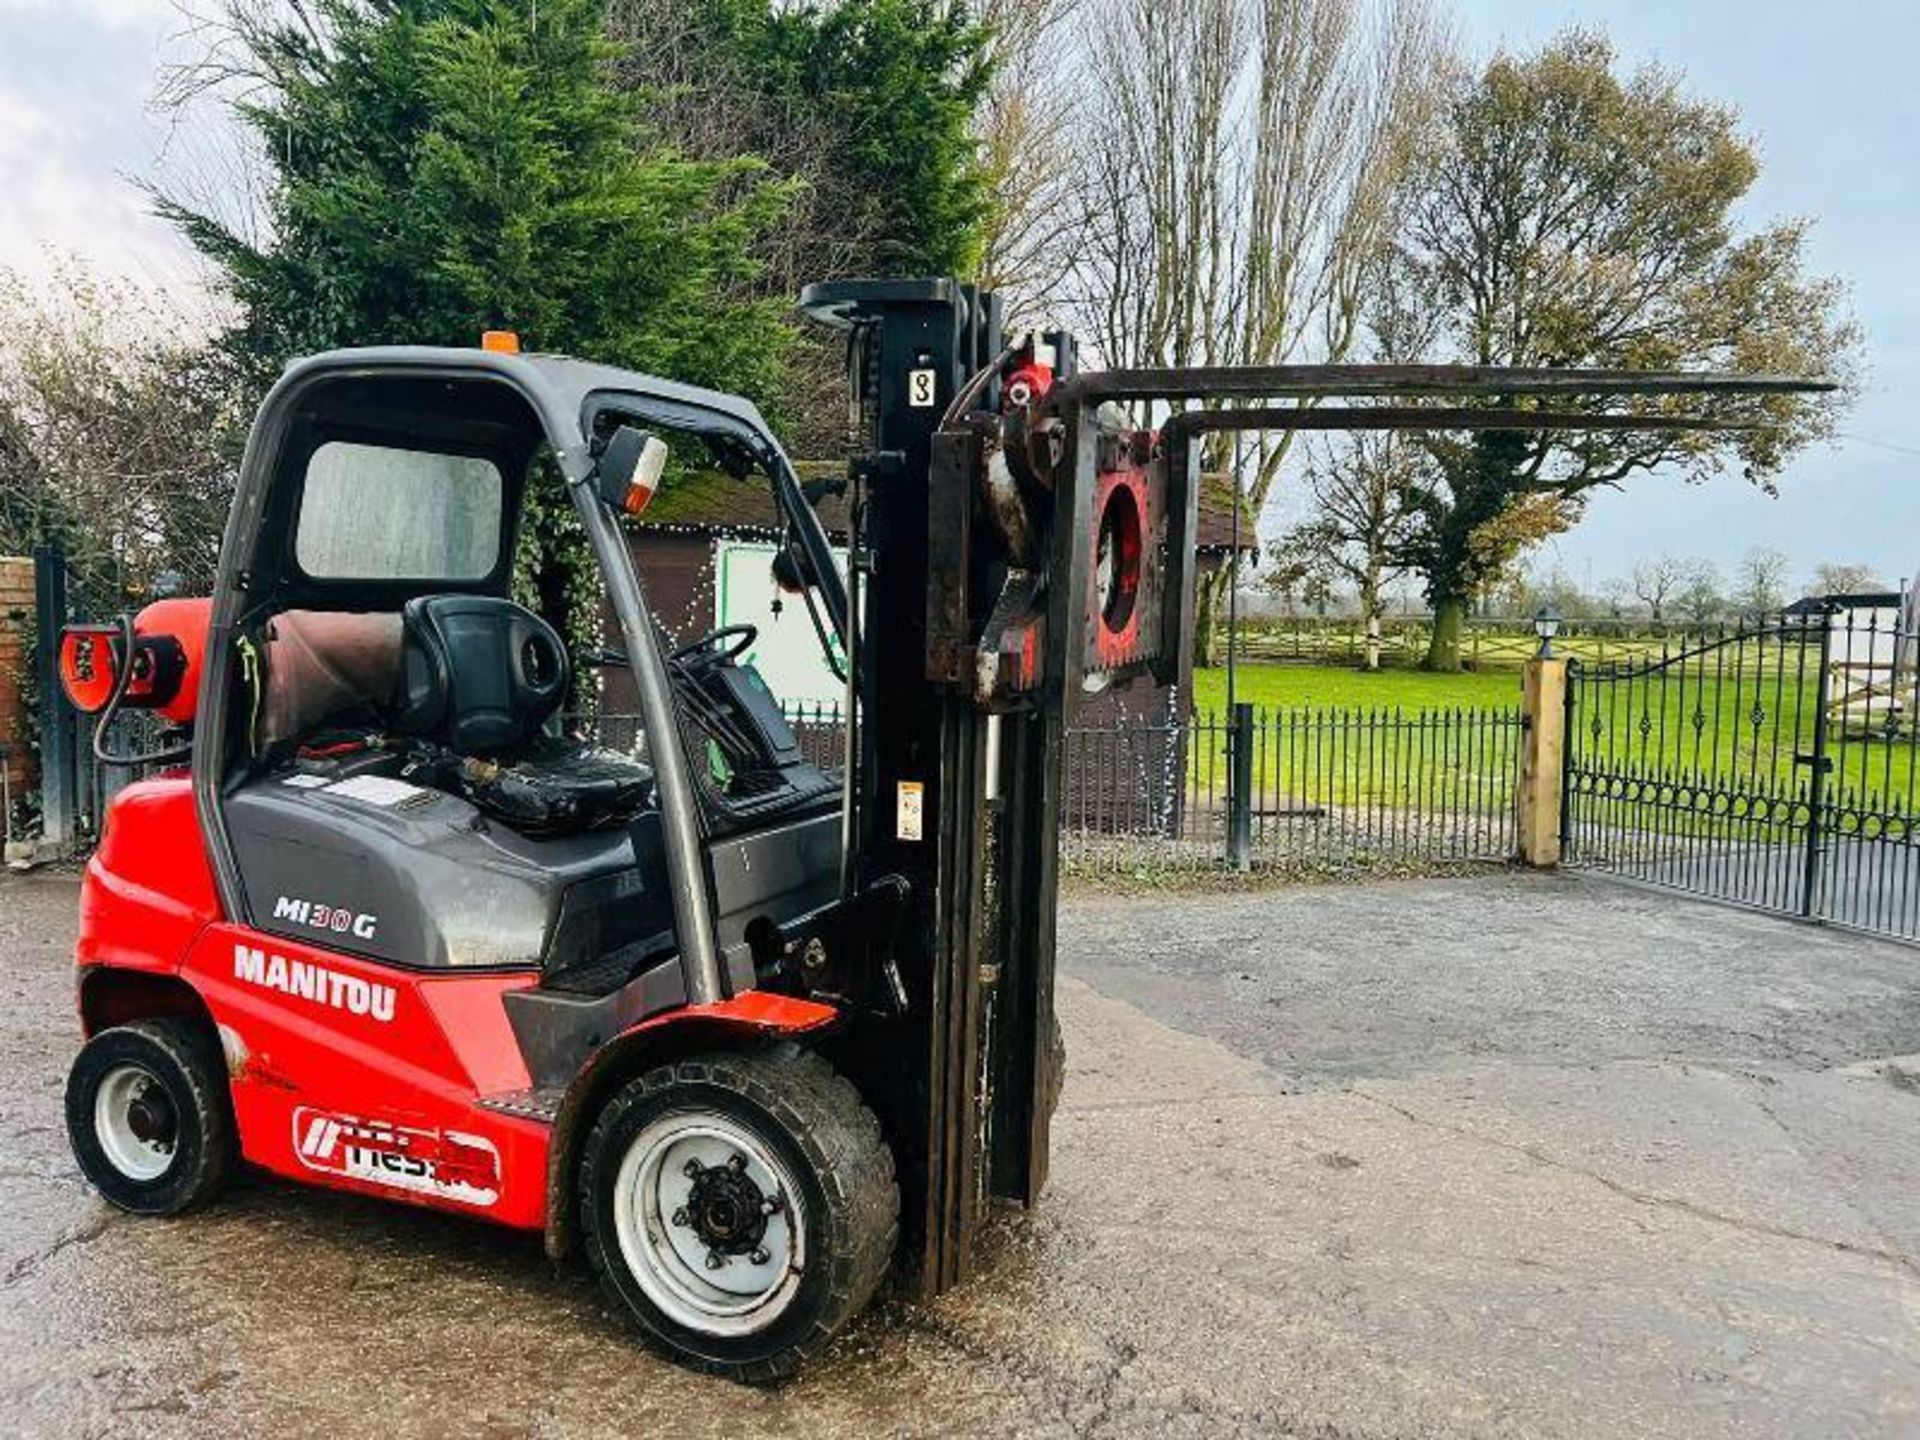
[(111, 709)]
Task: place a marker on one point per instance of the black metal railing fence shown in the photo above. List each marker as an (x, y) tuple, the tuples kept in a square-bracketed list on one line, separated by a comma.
[(816, 725), (1320, 786), (1295, 787), (1776, 766)]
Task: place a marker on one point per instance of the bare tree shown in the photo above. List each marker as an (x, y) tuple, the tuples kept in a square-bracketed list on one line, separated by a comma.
[(1614, 593), (1702, 595), (1359, 522), (118, 437), (1760, 586), (1830, 578), (1655, 579), (1242, 186), (1027, 126)]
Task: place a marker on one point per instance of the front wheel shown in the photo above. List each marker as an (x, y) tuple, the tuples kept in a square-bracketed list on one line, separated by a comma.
[(741, 1207)]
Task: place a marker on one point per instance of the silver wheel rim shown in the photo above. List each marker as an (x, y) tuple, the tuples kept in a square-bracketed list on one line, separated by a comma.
[(121, 1090), (664, 1248)]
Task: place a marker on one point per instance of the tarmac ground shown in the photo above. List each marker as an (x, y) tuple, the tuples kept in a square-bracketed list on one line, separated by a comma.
[(1497, 1155)]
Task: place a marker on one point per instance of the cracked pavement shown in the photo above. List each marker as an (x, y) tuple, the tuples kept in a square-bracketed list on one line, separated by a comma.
[(1499, 1155)]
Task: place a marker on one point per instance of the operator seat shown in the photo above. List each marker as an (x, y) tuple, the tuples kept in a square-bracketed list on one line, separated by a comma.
[(481, 676)]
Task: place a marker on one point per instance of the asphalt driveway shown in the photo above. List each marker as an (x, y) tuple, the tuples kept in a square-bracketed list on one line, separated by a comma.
[(1508, 1155)]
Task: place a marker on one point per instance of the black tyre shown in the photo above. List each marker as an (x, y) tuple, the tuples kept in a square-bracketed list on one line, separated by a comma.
[(150, 1117), (740, 1206)]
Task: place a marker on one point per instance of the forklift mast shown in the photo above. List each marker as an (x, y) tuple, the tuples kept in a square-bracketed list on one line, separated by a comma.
[(927, 787), (979, 530)]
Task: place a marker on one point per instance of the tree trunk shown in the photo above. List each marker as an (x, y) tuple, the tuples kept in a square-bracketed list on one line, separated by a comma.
[(1370, 612), (1206, 605), (1449, 618)]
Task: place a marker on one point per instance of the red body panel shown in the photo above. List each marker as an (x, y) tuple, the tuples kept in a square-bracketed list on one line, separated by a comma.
[(148, 892), (316, 1036), (345, 1072)]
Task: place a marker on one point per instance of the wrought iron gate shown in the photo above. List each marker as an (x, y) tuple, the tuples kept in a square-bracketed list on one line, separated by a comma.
[(1775, 766)]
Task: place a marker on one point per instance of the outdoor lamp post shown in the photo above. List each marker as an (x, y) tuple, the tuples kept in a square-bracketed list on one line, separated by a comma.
[(1546, 624)]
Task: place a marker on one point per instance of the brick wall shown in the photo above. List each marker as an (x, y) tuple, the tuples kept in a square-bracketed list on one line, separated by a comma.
[(16, 653)]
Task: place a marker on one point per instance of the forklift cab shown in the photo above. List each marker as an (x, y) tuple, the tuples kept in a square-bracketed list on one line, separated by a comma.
[(397, 929), (385, 701)]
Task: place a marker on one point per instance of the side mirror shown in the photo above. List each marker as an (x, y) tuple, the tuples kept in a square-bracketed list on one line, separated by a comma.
[(630, 468)]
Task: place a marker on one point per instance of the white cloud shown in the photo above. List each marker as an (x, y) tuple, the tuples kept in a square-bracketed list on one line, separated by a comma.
[(161, 15), (52, 202)]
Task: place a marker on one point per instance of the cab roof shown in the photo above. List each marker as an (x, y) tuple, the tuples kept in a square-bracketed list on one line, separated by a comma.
[(562, 389)]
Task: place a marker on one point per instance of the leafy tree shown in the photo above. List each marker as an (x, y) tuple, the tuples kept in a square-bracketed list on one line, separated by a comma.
[(865, 106), (439, 167), (870, 103), (1563, 215), (442, 166)]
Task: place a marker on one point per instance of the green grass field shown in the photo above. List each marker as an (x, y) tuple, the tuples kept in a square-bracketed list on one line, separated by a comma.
[(1740, 731), (1276, 686), (1389, 739)]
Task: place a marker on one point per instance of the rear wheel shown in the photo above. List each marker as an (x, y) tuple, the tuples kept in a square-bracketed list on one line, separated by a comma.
[(149, 1118), (740, 1206)]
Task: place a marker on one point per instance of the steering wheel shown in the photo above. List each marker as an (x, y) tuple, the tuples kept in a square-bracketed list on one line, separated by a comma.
[(716, 647)]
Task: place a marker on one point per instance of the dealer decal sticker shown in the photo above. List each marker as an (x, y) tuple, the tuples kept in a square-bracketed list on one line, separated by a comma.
[(443, 1163)]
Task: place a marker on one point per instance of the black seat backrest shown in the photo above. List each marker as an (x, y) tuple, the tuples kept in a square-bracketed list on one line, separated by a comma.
[(479, 674)]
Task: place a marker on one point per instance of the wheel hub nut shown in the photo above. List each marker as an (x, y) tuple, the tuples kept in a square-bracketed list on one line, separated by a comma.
[(151, 1118), (726, 1208)]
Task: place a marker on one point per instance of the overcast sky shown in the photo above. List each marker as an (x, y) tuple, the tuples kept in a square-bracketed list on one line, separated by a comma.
[(1826, 90)]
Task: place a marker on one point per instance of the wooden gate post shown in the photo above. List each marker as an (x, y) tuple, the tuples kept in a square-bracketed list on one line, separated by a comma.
[(1543, 753)]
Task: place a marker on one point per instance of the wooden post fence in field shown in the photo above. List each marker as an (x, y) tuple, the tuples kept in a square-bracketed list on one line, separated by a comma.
[(1543, 747)]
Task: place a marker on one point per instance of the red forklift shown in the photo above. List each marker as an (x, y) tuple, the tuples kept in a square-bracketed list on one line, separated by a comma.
[(748, 1033)]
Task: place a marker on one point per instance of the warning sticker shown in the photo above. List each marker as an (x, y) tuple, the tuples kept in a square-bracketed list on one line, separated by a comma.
[(910, 809), (375, 790)]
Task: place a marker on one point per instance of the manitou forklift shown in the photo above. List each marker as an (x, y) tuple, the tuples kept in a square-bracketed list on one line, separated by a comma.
[(748, 1033)]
